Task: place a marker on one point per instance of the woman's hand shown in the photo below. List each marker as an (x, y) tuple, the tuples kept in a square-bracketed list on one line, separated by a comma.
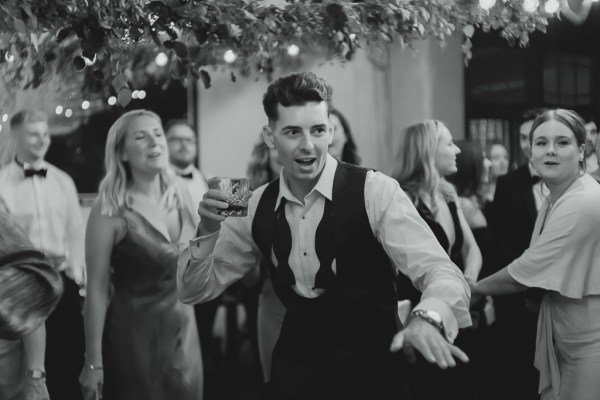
[(91, 381)]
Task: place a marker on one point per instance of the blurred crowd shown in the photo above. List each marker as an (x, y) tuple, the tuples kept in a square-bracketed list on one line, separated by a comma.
[(520, 240)]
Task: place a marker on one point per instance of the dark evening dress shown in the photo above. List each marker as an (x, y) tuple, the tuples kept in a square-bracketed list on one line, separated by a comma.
[(151, 347), (452, 383)]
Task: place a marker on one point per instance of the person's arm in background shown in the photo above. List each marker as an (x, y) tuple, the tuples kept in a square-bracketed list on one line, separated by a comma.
[(415, 252), (75, 232), (101, 235), (34, 349), (470, 250)]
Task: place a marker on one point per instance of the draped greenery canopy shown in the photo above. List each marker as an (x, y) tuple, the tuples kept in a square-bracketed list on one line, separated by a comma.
[(67, 40)]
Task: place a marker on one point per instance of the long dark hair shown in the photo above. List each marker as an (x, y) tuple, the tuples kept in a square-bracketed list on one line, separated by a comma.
[(469, 163), (349, 152)]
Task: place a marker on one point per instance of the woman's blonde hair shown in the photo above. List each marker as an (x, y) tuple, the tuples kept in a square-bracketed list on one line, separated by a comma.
[(114, 185), (414, 167)]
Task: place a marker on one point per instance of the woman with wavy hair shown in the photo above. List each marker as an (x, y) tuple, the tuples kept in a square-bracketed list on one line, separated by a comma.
[(141, 342), (427, 156)]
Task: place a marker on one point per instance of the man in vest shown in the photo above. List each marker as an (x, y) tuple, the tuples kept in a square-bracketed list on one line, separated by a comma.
[(334, 236)]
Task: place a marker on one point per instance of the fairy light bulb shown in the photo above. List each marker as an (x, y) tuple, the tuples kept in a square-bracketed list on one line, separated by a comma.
[(293, 50), (229, 56), (530, 5), (487, 4), (551, 6)]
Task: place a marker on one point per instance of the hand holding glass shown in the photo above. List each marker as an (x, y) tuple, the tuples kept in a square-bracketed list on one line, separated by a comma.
[(237, 191)]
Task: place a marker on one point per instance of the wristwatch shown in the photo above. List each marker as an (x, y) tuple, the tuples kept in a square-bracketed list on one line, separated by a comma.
[(36, 373), (434, 318)]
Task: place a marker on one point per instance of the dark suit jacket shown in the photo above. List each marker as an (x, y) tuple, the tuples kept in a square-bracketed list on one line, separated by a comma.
[(513, 214)]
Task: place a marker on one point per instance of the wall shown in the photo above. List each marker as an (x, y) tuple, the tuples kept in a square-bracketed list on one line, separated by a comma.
[(378, 102)]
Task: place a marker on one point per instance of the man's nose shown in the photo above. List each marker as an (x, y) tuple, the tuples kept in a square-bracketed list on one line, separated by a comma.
[(307, 143)]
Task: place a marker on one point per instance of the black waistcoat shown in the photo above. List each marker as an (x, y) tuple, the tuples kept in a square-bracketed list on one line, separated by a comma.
[(338, 342)]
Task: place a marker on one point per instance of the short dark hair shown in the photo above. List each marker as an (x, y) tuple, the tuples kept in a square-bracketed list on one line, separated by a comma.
[(294, 90), (27, 116), (532, 113), (176, 121)]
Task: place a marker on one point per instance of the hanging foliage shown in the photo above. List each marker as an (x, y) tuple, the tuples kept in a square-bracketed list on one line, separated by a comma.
[(99, 38)]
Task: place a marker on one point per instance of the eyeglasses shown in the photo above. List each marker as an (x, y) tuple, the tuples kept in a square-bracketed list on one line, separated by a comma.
[(182, 140)]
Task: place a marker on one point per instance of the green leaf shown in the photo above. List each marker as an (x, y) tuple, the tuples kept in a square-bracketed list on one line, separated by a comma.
[(469, 30), (20, 26), (124, 97), (119, 82)]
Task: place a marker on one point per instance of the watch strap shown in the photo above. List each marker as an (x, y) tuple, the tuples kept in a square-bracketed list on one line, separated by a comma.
[(425, 315), (36, 373)]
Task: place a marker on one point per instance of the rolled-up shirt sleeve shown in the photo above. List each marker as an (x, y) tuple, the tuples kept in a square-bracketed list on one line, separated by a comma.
[(209, 264), (416, 253)]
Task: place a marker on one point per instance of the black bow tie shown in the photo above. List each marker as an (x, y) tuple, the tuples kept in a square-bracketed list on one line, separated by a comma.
[(535, 179), (29, 172), (189, 175)]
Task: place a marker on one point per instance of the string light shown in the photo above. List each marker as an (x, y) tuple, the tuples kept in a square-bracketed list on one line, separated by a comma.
[(112, 100), (134, 94), (9, 57), (161, 59), (551, 6), (142, 94), (68, 113), (293, 50), (530, 5), (487, 4), (5, 118), (229, 56), (85, 105), (59, 110)]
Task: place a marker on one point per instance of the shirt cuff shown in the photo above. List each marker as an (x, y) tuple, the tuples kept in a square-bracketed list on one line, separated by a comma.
[(448, 319), (203, 247)]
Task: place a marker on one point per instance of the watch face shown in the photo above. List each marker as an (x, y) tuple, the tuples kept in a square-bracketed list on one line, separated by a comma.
[(37, 374), (435, 316)]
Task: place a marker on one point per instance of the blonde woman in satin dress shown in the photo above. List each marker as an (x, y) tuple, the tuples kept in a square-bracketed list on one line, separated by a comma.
[(564, 259)]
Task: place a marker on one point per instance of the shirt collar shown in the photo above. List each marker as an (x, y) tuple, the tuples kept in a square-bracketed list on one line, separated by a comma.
[(25, 165), (324, 185), (189, 169)]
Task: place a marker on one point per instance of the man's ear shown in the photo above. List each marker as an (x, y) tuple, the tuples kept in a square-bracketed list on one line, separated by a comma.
[(267, 134)]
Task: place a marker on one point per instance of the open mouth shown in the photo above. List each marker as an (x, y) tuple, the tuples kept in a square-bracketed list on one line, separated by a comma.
[(306, 161), (155, 155)]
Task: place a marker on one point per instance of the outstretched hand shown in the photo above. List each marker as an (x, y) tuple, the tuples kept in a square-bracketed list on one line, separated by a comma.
[(420, 335)]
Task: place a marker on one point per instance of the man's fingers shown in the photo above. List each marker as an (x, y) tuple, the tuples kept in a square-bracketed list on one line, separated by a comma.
[(409, 353), (458, 353), (397, 341), (440, 356), (215, 194)]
